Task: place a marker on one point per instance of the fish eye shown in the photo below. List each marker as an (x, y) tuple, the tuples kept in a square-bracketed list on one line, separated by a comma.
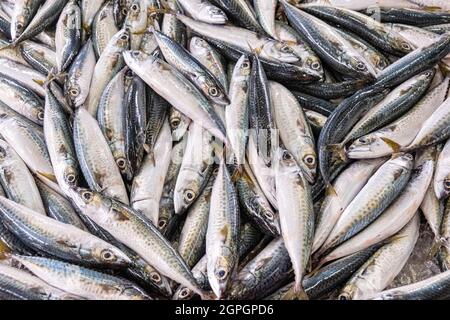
[(269, 215), (344, 296), (221, 274), (74, 92), (189, 195), (287, 156), (108, 255), (381, 64), (363, 140), (215, 171), (121, 163), (286, 49), (309, 160), (246, 65), (175, 123), (19, 26), (2, 153), (361, 66), (315, 65), (184, 293), (162, 223), (156, 278), (405, 46), (71, 178), (124, 37), (40, 115), (447, 184), (87, 195), (124, 11), (213, 92), (136, 53)]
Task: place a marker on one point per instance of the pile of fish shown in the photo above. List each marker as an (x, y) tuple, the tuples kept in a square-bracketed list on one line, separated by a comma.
[(224, 149)]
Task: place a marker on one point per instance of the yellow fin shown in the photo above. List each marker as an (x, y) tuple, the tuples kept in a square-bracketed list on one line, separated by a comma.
[(395, 147), (49, 176)]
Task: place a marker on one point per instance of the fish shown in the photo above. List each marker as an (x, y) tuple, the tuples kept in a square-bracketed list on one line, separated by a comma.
[(380, 190), (296, 213), (68, 35), (203, 11), (95, 158), (189, 100), (81, 281), (37, 55), (265, 11), (294, 130), (385, 264), (23, 13), (222, 233), (242, 13)]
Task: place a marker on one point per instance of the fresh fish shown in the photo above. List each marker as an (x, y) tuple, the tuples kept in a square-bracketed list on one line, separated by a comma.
[(237, 113), (192, 69), (265, 11), (328, 44), (81, 281), (21, 285), (203, 11), (400, 100), (137, 233), (296, 213), (59, 239), (378, 193), (413, 17), (96, 160), (107, 66), (60, 146), (103, 27), (335, 203), (68, 35), (242, 13), (294, 130), (21, 99), (17, 182), (263, 274), (402, 131), (37, 55), (193, 234), (148, 183), (255, 205), (172, 27), (366, 27), (188, 99), (111, 119), (262, 125), (80, 75), (45, 16), (23, 13), (395, 217), (197, 166), (222, 235), (435, 287), (157, 111), (381, 269)]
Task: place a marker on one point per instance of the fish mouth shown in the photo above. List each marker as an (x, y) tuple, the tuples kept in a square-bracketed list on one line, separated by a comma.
[(358, 153)]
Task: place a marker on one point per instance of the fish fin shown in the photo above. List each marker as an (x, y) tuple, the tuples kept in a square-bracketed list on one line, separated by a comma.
[(330, 190), (49, 176), (255, 51), (395, 147), (262, 263), (300, 292), (338, 150), (224, 233), (432, 8), (39, 82), (4, 251)]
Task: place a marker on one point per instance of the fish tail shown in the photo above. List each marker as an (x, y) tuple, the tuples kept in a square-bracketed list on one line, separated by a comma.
[(299, 291)]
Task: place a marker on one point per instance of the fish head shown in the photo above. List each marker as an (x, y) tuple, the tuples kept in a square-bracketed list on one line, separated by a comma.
[(220, 276), (198, 45), (360, 66), (211, 14), (85, 199), (285, 161), (369, 146), (121, 39), (74, 94), (442, 187), (243, 67), (281, 51), (400, 44), (215, 92), (186, 194), (405, 160), (18, 25), (349, 292)]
